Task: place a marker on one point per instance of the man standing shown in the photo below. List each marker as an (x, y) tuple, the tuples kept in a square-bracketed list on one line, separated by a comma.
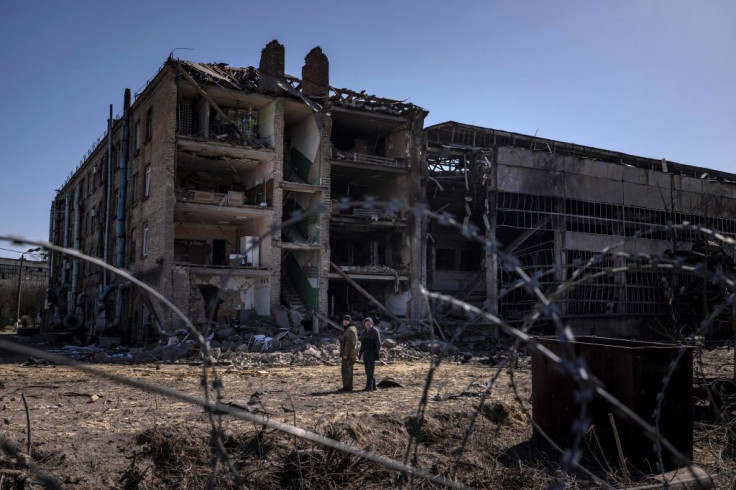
[(348, 350), (370, 346)]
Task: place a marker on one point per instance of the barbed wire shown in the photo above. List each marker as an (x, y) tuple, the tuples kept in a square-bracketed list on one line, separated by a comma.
[(546, 308)]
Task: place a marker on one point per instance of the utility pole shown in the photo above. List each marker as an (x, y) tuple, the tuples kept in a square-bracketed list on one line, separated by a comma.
[(20, 276)]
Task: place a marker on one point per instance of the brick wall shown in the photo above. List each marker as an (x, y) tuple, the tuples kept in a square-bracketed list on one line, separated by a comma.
[(316, 73)]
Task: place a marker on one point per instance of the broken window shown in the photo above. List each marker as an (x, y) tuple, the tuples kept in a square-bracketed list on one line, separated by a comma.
[(237, 121), (445, 259), (190, 251), (186, 117), (114, 205), (134, 189), (470, 260), (149, 124), (220, 252), (598, 295), (132, 248), (91, 269)]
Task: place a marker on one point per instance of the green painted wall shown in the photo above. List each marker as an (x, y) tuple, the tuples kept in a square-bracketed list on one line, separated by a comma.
[(309, 294), (301, 164)]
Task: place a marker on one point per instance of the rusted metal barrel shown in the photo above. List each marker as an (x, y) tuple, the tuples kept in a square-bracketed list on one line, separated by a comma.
[(632, 371)]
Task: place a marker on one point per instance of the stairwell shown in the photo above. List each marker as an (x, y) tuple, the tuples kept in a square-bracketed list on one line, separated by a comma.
[(292, 235), (290, 296)]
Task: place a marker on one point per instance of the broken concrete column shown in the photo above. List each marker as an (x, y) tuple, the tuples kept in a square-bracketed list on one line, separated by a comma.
[(316, 74), (271, 67)]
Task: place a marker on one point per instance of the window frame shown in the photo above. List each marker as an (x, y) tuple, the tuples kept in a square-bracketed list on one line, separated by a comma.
[(134, 190), (144, 240), (133, 246), (149, 124), (147, 181), (137, 137)]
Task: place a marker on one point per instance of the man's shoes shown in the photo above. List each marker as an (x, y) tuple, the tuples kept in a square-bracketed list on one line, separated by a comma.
[(367, 388), (345, 389)]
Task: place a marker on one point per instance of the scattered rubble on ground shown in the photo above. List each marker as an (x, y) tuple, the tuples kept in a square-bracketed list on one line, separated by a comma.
[(245, 348)]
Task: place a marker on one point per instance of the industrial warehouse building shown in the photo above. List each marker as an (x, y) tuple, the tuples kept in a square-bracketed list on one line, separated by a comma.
[(196, 189)]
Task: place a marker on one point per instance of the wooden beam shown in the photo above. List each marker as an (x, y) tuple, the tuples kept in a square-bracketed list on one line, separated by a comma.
[(364, 292), (439, 329), (208, 98), (328, 321)]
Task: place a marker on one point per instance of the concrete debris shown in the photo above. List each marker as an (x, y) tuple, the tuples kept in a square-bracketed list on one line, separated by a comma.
[(281, 316), (369, 269), (389, 383), (267, 346), (167, 353), (41, 363), (435, 346), (94, 353), (224, 333)]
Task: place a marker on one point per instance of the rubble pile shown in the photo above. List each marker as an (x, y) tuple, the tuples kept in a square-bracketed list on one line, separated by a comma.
[(264, 345), (317, 351)]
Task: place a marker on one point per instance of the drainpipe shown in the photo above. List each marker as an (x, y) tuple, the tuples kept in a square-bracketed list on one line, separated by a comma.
[(72, 299), (54, 230), (123, 179), (108, 197), (64, 275)]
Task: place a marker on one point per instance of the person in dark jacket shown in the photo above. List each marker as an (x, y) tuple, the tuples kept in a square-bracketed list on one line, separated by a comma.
[(370, 346), (348, 352)]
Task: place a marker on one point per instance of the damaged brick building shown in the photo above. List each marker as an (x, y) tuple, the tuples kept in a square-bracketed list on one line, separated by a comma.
[(208, 157), (204, 161)]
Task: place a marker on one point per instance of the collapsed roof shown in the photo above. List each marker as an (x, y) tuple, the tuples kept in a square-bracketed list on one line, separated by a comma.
[(247, 79)]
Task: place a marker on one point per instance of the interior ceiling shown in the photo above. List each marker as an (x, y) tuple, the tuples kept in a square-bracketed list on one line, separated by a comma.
[(219, 167), (226, 98), (359, 231), (295, 111), (360, 176), (217, 216)]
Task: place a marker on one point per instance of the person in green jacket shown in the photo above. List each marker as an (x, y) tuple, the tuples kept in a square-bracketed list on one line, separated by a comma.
[(348, 352)]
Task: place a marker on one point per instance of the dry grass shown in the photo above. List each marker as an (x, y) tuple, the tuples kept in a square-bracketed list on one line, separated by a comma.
[(176, 457), (138, 440)]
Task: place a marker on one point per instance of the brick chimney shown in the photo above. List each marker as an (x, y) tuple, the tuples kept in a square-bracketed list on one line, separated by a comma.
[(271, 67), (316, 74)]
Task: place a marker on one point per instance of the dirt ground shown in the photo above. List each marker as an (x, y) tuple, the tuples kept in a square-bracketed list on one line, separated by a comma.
[(90, 432)]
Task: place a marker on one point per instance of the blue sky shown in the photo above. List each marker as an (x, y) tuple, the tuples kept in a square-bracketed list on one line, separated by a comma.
[(654, 78)]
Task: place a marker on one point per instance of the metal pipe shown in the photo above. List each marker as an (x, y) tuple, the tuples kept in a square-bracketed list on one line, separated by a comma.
[(53, 238), (123, 180), (72, 299), (108, 197), (67, 199)]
